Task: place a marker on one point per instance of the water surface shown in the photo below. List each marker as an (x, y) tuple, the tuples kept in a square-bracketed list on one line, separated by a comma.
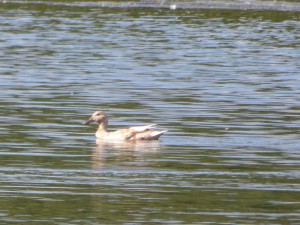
[(224, 83)]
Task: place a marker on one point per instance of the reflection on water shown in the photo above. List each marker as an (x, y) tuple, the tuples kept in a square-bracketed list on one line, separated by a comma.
[(123, 151), (225, 84)]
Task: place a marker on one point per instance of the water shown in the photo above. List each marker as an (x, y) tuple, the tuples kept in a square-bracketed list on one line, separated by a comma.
[(224, 83)]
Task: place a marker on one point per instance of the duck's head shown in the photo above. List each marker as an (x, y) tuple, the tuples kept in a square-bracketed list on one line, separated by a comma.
[(98, 117)]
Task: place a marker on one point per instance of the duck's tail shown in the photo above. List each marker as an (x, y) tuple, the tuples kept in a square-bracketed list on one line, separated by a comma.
[(149, 135)]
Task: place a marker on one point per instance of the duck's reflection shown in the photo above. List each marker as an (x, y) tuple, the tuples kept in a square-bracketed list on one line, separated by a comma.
[(108, 152)]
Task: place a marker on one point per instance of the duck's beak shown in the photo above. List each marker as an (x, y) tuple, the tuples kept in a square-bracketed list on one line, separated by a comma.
[(90, 120)]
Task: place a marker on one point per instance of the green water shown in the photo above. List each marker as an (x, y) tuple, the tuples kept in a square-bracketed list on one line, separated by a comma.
[(224, 83)]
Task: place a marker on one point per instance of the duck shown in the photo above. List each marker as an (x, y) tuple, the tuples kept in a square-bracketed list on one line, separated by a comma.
[(136, 133)]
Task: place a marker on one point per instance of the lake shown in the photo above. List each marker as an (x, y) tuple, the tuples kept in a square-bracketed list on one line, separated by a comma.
[(224, 83)]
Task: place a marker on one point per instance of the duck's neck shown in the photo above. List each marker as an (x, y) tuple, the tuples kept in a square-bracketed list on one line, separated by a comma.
[(103, 126)]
